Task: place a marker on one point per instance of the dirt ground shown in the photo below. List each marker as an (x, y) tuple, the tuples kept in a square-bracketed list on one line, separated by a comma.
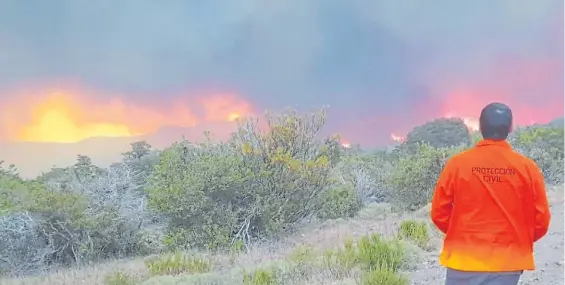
[(548, 253)]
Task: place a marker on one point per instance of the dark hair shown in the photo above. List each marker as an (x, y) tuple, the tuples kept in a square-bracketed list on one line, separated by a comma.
[(495, 121)]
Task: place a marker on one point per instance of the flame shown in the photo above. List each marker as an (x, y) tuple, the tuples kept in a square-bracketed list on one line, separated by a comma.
[(72, 116), (343, 142), (396, 138), (56, 120), (471, 122), (219, 108), (233, 116)]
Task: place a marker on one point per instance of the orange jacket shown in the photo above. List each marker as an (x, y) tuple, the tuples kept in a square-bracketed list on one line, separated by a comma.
[(491, 203)]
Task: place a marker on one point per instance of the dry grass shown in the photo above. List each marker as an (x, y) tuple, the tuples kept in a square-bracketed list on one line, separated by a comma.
[(286, 258), (292, 257)]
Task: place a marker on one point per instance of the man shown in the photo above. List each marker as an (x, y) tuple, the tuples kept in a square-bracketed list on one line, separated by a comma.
[(491, 203)]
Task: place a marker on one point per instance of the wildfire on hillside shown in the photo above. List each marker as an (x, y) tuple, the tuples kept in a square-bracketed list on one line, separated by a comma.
[(71, 116), (74, 114)]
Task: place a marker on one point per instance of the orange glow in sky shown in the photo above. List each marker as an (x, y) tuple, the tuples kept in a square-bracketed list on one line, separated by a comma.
[(56, 119), (72, 116)]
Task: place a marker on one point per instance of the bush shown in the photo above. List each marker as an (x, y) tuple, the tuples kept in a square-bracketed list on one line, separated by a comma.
[(38, 226), (415, 231), (339, 202), (546, 137), (98, 214), (439, 133), (545, 145), (375, 253), (193, 188), (67, 216), (258, 185), (23, 250), (370, 253), (366, 173), (415, 176)]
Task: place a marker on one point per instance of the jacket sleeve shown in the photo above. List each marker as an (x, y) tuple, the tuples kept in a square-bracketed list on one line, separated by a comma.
[(442, 201), (542, 215)]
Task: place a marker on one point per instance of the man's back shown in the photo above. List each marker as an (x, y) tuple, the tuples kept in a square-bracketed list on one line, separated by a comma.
[(491, 203)]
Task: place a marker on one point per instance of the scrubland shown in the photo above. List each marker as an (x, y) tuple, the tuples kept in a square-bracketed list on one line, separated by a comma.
[(280, 205)]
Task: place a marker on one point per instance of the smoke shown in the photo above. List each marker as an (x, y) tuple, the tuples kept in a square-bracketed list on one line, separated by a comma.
[(381, 66)]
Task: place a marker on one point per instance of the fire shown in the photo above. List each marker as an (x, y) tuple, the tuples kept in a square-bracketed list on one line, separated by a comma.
[(55, 120), (397, 138), (343, 142), (218, 108), (472, 124), (74, 116), (54, 125), (233, 117)]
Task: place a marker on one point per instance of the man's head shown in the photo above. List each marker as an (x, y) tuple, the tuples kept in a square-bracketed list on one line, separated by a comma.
[(495, 121)]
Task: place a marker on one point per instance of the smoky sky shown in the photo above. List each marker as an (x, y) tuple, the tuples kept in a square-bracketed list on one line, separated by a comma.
[(368, 60)]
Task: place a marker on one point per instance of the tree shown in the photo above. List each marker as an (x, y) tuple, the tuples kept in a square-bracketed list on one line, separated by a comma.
[(444, 132), (140, 161)]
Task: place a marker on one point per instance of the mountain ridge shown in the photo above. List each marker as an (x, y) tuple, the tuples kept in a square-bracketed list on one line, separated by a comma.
[(33, 158)]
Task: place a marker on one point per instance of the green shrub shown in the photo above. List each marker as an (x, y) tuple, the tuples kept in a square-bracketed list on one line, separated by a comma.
[(415, 231), (339, 202), (370, 252), (259, 184), (375, 253), (543, 136), (177, 263), (40, 226), (365, 173), (439, 133), (415, 176), (545, 145), (193, 180)]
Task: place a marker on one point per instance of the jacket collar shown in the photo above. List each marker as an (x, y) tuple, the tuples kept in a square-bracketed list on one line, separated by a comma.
[(501, 143)]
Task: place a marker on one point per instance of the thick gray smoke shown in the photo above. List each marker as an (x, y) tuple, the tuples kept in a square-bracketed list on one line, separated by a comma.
[(380, 65)]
